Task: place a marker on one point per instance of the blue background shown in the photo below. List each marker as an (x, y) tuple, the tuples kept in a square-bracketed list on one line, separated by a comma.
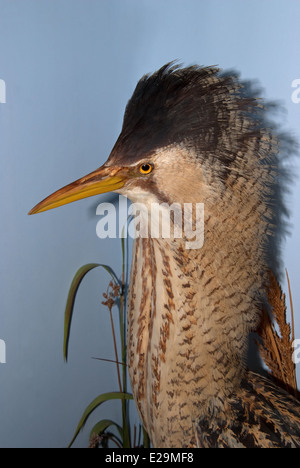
[(69, 67)]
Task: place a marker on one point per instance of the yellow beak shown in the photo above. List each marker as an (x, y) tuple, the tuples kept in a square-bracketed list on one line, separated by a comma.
[(105, 179)]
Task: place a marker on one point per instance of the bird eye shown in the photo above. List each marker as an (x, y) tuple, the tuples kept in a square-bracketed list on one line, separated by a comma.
[(146, 168)]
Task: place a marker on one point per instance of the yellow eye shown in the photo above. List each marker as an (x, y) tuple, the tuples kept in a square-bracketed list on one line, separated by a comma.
[(146, 168)]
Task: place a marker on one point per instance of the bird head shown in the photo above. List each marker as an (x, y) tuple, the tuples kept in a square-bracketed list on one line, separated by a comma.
[(183, 130)]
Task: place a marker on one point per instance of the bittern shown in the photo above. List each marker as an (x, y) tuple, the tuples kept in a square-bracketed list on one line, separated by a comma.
[(198, 135)]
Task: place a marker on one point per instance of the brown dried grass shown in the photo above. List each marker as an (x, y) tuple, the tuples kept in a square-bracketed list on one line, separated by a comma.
[(277, 337)]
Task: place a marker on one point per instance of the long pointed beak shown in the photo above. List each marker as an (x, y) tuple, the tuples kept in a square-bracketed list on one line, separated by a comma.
[(105, 179)]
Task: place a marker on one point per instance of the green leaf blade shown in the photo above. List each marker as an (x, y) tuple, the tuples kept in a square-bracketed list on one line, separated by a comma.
[(79, 276), (95, 404)]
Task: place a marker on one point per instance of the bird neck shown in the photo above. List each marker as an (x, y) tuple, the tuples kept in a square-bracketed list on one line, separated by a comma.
[(190, 312), (185, 345)]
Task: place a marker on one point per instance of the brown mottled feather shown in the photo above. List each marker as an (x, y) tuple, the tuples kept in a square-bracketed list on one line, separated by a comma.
[(259, 415)]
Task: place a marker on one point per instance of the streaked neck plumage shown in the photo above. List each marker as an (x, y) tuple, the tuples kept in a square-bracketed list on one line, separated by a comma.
[(189, 316)]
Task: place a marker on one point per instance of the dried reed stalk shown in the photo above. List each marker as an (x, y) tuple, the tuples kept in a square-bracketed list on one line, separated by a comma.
[(276, 347), (113, 291)]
